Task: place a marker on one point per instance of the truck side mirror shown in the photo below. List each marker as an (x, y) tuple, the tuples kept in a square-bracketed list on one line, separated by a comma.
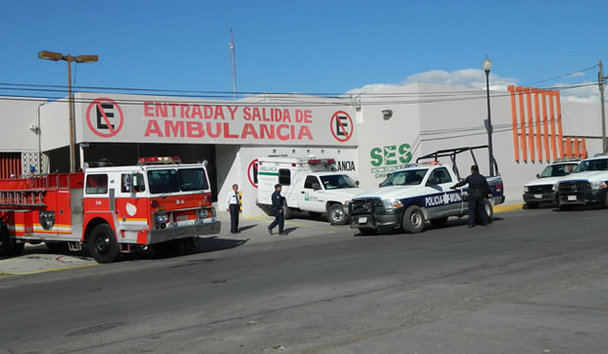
[(538, 175), (316, 186), (357, 182)]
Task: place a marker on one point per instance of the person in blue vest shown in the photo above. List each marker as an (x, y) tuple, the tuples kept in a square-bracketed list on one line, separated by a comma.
[(278, 202), (479, 189), (233, 206)]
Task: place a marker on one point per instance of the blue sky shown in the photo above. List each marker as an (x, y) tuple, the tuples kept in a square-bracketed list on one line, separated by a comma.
[(299, 46)]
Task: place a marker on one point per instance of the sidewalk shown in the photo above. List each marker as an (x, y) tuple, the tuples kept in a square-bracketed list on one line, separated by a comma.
[(39, 259)]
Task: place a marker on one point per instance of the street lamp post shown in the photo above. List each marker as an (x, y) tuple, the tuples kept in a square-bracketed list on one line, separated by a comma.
[(601, 80), (54, 56), (487, 66)]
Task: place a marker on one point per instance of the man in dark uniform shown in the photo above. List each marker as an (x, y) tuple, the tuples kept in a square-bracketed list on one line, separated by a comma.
[(278, 202), (478, 190)]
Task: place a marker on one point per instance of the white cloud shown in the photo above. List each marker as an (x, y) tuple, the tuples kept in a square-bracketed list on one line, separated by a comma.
[(476, 79)]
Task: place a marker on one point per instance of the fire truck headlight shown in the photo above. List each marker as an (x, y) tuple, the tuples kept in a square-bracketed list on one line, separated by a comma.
[(206, 213), (161, 220)]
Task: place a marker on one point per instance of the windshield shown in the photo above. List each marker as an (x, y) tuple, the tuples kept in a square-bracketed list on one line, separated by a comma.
[(177, 180), (338, 182), (404, 178), (557, 170), (592, 165)]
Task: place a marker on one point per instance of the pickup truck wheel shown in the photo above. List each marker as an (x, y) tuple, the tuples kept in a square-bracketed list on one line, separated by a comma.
[(439, 221), (336, 215), (288, 213), (103, 245), (489, 209), (413, 219)]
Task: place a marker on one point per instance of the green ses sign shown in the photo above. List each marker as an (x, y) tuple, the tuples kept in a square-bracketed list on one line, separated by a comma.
[(389, 158)]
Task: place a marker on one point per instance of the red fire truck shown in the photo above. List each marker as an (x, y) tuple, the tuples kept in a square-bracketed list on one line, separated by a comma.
[(108, 210)]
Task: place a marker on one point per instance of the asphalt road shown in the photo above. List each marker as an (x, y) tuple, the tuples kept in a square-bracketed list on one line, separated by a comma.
[(535, 281)]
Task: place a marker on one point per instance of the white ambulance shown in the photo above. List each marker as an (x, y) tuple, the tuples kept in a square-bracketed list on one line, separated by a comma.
[(309, 184)]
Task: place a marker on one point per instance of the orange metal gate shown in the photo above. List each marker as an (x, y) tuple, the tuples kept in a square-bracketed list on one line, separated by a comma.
[(10, 164)]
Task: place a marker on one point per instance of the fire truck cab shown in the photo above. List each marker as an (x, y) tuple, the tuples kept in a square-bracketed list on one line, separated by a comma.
[(108, 210)]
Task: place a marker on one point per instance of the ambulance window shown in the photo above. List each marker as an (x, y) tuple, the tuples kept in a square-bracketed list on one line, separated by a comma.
[(312, 182), (137, 183), (97, 184), (284, 176)]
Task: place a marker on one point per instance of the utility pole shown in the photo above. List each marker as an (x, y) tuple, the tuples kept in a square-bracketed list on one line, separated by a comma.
[(600, 81)]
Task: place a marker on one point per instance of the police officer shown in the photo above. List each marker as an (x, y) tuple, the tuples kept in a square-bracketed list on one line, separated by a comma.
[(478, 189), (278, 202), (233, 206)]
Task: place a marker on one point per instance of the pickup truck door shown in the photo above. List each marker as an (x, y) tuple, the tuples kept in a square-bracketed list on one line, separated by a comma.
[(442, 201), (309, 195)]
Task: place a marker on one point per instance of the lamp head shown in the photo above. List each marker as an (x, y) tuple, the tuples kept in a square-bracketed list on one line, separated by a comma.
[(46, 55), (487, 64)]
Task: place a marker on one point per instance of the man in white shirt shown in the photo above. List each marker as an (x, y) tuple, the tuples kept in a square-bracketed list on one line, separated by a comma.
[(233, 206)]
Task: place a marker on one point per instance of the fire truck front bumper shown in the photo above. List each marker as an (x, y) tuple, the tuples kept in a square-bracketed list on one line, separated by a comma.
[(182, 230)]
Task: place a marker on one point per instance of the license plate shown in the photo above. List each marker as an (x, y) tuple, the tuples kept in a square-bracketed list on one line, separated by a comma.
[(363, 220), (572, 197), (538, 196)]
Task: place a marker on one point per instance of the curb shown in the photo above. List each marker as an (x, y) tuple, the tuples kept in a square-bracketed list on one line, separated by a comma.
[(510, 207)]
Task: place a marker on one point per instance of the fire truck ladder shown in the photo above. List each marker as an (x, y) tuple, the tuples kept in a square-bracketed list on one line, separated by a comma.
[(24, 192), (22, 198)]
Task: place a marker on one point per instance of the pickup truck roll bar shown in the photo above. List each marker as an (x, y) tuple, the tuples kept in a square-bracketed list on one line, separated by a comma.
[(451, 153)]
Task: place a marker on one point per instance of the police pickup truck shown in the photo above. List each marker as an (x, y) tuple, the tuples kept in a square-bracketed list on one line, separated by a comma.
[(587, 184), (410, 197)]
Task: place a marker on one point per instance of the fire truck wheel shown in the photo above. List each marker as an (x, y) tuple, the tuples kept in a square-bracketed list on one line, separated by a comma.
[(9, 246), (103, 245), (336, 214), (5, 241), (16, 248)]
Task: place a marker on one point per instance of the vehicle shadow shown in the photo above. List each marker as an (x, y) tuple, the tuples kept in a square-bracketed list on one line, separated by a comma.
[(427, 227)]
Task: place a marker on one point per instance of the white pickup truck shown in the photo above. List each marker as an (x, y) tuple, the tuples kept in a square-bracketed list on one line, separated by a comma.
[(540, 190), (309, 184), (410, 197), (587, 184)]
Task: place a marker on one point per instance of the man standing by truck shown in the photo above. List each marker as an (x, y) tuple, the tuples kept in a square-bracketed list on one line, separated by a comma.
[(278, 202), (478, 190)]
